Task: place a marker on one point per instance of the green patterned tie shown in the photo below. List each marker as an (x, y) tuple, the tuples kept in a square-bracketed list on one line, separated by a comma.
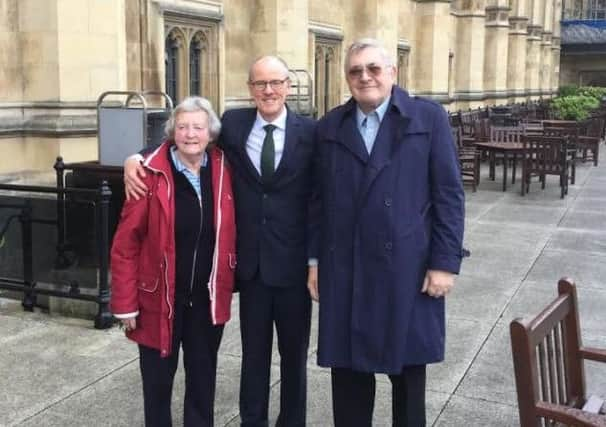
[(268, 153)]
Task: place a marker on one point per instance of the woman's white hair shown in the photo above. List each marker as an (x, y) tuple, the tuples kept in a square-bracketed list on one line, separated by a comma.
[(189, 105), (366, 43)]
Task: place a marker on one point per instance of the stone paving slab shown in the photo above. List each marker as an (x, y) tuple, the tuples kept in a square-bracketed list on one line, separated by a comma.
[(590, 203), (491, 374), (588, 269), (479, 299), (464, 412), (585, 220), (525, 214), (519, 236), (567, 240), (464, 338), (45, 361)]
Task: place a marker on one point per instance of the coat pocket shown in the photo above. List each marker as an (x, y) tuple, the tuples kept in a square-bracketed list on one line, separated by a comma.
[(148, 294), (148, 284)]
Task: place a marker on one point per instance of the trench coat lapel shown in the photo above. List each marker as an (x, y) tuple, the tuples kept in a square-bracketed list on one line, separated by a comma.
[(390, 134), (351, 139)]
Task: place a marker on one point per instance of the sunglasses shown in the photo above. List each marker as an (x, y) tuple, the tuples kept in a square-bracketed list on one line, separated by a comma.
[(373, 70)]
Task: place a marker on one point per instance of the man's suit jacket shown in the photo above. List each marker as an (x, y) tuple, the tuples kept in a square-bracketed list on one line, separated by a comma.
[(272, 217)]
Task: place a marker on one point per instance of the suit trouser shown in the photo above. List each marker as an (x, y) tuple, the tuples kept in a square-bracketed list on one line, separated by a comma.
[(353, 397), (193, 329), (289, 308)]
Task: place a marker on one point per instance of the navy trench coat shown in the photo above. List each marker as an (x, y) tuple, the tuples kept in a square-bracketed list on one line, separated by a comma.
[(386, 218)]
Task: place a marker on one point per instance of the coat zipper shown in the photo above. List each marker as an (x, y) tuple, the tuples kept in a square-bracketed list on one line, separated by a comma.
[(193, 267), (148, 165)]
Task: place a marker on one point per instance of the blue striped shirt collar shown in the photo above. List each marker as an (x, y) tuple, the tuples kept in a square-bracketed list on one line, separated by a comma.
[(380, 110), (178, 164)]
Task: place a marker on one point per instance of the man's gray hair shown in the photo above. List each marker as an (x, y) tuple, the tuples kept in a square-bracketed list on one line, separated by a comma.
[(366, 43), (192, 104), (282, 63)]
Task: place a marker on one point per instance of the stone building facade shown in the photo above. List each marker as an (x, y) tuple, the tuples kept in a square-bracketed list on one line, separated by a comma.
[(58, 56), (583, 56)]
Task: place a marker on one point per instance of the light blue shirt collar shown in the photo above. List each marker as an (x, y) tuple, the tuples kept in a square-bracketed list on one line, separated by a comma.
[(193, 178), (380, 110), (179, 165)]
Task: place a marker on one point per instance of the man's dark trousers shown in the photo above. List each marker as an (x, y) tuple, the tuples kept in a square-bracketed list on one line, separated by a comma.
[(289, 308), (408, 397)]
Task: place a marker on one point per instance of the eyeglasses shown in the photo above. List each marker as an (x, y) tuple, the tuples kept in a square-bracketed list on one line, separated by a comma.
[(357, 71), (262, 84)]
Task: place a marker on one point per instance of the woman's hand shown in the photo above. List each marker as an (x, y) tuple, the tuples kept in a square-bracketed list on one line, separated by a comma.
[(129, 324)]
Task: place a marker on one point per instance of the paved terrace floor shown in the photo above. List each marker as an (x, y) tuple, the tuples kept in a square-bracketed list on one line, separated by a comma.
[(56, 371)]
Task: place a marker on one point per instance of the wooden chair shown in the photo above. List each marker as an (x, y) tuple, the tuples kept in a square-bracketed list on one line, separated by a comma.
[(589, 142), (481, 130), (469, 159), (542, 156), (548, 360), (466, 121), (503, 135), (570, 132)]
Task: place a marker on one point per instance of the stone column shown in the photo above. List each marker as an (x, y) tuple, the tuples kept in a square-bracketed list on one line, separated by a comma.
[(516, 54), (496, 51), (546, 53), (91, 48), (36, 38), (69, 52), (533, 50), (280, 27), (533, 56), (469, 53), (555, 47), (377, 19), (431, 52)]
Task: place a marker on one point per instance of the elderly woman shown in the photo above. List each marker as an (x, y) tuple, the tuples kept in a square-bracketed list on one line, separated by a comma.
[(172, 263)]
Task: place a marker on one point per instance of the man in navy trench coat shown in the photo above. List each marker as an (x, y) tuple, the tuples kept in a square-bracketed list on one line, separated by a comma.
[(389, 239)]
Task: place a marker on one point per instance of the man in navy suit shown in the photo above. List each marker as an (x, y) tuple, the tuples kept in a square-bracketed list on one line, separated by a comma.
[(270, 149)]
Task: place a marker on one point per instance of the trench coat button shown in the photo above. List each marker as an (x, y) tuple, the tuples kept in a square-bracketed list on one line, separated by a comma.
[(388, 246), (387, 201), (264, 221), (265, 195)]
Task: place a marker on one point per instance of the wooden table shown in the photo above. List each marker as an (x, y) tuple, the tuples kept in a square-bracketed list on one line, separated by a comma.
[(506, 149)]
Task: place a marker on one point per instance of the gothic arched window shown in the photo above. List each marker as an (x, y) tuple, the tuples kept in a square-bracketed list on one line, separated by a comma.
[(195, 67), (171, 64)]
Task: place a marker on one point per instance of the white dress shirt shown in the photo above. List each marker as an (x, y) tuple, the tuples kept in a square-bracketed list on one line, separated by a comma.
[(254, 143)]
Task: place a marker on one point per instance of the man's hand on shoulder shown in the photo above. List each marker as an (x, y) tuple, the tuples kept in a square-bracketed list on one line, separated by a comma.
[(134, 172), (437, 283)]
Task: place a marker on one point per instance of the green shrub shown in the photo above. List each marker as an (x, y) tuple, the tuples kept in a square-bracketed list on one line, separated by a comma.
[(593, 91), (576, 107), (568, 90)]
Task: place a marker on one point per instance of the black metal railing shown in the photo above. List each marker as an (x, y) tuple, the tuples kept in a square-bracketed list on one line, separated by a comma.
[(99, 198)]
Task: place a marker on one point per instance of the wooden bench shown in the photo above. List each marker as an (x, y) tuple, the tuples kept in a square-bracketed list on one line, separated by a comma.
[(548, 358)]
